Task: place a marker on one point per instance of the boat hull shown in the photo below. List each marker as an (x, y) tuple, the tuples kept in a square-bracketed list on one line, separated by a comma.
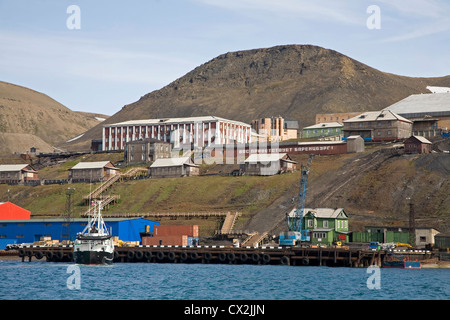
[(93, 257)]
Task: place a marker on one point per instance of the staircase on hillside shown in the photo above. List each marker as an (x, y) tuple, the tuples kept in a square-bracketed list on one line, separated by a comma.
[(228, 224), (96, 194), (105, 201), (254, 239)]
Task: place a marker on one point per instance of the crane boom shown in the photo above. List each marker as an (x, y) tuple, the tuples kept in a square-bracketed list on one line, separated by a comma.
[(295, 223)]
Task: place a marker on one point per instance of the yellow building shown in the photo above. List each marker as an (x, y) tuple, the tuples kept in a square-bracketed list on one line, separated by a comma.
[(276, 128)]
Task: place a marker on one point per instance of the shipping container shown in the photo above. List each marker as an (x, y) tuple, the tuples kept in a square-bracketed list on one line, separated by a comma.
[(442, 241), (393, 236), (366, 237), (176, 230), (177, 240), (382, 237)]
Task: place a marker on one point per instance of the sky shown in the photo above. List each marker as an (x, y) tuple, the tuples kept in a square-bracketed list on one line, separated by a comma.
[(98, 55)]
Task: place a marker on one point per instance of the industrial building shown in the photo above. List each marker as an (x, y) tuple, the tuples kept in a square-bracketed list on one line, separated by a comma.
[(430, 113), (190, 132), (31, 230), (423, 236), (382, 125), (10, 211)]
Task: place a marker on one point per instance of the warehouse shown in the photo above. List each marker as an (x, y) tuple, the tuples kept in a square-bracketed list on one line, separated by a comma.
[(10, 211), (29, 231), (423, 236), (425, 107), (378, 126), (442, 241)]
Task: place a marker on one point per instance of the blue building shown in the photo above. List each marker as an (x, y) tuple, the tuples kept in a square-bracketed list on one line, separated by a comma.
[(28, 231)]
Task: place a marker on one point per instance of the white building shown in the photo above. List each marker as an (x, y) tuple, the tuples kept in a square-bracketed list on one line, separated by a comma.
[(181, 132)]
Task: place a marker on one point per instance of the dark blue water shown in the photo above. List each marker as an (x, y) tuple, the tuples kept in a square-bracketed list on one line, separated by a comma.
[(40, 280)]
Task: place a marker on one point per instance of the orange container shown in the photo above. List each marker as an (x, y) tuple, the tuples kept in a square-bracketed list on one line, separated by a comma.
[(176, 230), (178, 240)]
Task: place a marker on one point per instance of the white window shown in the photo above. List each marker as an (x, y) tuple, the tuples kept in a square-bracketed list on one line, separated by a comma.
[(325, 223)]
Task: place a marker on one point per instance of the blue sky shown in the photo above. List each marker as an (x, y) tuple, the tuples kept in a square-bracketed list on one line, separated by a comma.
[(126, 49)]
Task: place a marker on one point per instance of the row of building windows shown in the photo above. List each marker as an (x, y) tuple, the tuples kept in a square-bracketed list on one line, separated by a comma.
[(340, 224), (371, 124), (330, 130)]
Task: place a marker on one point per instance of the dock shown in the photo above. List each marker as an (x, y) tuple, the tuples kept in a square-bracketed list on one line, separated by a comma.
[(273, 255)]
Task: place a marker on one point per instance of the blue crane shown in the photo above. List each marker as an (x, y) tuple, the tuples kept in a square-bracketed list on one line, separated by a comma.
[(296, 232)]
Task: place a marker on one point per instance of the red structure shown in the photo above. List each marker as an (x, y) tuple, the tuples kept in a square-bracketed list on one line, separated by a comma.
[(417, 144), (9, 211)]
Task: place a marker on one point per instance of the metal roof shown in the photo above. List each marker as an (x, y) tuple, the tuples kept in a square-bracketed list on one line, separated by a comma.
[(14, 167), (325, 125), (426, 104), (321, 212), (94, 165), (174, 121), (383, 115), (264, 157), (422, 139), (171, 162)]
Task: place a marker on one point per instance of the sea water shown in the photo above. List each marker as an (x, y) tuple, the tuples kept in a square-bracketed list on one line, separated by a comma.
[(41, 280)]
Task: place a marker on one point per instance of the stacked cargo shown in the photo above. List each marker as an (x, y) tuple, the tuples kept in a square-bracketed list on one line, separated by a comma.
[(174, 235)]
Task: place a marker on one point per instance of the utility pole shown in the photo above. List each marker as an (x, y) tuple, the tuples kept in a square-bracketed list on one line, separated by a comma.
[(67, 213), (412, 224)]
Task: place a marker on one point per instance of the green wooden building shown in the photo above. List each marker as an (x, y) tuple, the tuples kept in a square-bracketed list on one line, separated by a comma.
[(326, 225), (323, 130)]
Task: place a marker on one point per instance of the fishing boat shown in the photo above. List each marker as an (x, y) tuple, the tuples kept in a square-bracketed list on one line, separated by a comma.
[(393, 261), (94, 244)]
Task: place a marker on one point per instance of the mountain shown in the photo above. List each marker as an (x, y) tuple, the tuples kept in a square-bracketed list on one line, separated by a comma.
[(32, 119), (293, 81)]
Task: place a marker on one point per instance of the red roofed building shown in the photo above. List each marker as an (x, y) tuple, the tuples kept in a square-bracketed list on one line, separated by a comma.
[(9, 211)]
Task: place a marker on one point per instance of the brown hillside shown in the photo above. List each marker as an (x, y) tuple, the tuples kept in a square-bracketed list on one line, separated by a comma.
[(25, 113), (373, 187), (294, 81)]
